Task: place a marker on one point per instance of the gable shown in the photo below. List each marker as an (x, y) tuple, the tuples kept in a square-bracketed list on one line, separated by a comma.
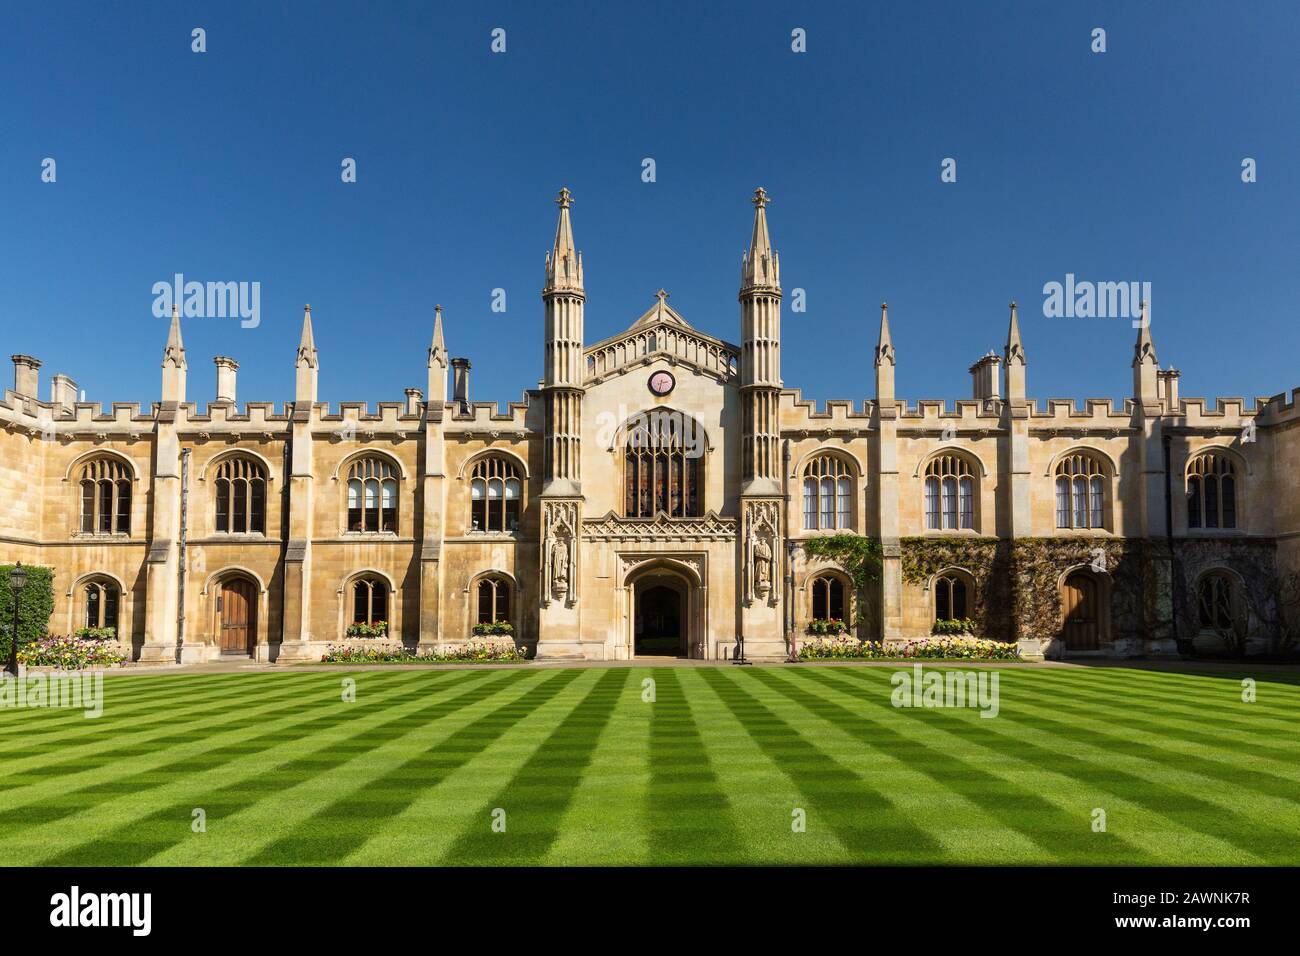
[(661, 333)]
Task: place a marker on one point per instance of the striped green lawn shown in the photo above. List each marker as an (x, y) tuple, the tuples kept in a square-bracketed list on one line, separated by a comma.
[(712, 771)]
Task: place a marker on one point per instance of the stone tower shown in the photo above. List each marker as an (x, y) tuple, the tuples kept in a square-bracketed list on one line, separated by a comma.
[(563, 299), (761, 495)]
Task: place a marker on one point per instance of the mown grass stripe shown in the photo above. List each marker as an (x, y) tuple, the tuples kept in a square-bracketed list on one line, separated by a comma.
[(862, 818), (1100, 771), (136, 841), (687, 814), (347, 823), (536, 798), (1060, 834)]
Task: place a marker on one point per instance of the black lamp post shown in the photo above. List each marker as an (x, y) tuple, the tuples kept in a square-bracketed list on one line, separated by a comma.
[(790, 548), (17, 581)]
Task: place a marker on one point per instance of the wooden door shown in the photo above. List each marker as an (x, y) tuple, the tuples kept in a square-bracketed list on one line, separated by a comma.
[(238, 616), (1079, 603)]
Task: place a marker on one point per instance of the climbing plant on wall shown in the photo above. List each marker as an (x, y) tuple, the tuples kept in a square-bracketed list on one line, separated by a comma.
[(858, 556)]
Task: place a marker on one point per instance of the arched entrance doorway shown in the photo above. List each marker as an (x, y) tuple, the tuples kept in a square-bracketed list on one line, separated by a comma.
[(237, 616), (660, 621), (1085, 602), (663, 613)]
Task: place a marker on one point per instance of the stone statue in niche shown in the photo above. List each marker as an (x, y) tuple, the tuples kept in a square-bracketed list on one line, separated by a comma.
[(560, 568), (762, 568)]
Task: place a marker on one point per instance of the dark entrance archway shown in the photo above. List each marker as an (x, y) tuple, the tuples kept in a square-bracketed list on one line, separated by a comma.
[(660, 625)]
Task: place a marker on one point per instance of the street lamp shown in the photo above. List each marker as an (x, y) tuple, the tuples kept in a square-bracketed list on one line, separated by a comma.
[(790, 548), (17, 581)]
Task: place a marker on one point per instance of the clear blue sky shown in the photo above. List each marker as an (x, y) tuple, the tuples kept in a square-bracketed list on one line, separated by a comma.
[(225, 166)]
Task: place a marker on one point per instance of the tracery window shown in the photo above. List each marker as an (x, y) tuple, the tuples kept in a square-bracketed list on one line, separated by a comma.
[(369, 600), (372, 496), (493, 600), (949, 493), (1216, 601), (105, 497), (828, 598), (102, 599), (495, 494), (1211, 492), (662, 468), (951, 597), (241, 496), (1080, 492), (827, 494)]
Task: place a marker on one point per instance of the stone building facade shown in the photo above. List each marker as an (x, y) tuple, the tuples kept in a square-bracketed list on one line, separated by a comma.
[(654, 495)]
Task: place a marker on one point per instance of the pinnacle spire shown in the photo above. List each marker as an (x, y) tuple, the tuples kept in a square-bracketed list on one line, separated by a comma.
[(885, 344), (1144, 350), (438, 348), (307, 344), (760, 266), (1015, 349), (564, 262), (174, 350)]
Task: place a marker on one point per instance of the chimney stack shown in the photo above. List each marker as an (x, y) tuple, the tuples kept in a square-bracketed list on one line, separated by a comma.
[(984, 378), (27, 375), (63, 393), (414, 399), (226, 368), (460, 384)]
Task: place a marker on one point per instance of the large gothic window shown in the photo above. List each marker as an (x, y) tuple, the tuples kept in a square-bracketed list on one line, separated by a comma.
[(105, 497), (827, 494), (241, 497), (372, 496), (1080, 492), (495, 493), (662, 467), (949, 494), (1211, 492)]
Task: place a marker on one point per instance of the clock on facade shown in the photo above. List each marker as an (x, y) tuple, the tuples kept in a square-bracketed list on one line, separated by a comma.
[(661, 383)]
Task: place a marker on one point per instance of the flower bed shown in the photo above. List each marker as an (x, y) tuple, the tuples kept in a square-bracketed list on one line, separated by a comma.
[(475, 652), (926, 648), (70, 653)]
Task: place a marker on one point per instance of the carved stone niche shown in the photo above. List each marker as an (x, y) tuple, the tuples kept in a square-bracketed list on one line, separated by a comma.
[(559, 552), (762, 531)]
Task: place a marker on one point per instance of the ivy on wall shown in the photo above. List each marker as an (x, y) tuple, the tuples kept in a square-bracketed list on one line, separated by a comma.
[(987, 560), (860, 558)]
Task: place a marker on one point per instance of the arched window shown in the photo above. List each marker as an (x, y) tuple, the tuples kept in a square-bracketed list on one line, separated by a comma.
[(495, 493), (1211, 492), (369, 600), (493, 600), (105, 497), (951, 597), (241, 496), (949, 493), (372, 496), (828, 598), (102, 599), (827, 494), (1216, 601), (662, 466), (1080, 492)]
